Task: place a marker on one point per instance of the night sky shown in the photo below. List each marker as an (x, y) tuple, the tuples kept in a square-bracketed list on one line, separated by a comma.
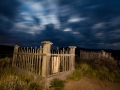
[(84, 23)]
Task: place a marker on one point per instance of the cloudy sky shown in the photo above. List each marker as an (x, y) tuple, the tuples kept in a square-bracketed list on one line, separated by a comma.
[(82, 23)]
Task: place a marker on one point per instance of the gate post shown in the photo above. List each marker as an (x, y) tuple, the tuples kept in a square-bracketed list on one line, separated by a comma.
[(46, 58), (72, 59), (15, 54)]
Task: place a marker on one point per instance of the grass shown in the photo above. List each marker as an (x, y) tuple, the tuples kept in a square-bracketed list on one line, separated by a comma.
[(102, 69), (77, 74), (57, 84), (10, 80), (88, 71)]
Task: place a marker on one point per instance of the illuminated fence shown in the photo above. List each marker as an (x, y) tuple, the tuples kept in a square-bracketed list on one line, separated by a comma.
[(94, 55), (45, 62), (28, 59), (61, 61)]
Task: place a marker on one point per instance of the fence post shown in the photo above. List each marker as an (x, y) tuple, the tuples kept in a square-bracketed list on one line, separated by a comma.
[(72, 59), (15, 54), (46, 58)]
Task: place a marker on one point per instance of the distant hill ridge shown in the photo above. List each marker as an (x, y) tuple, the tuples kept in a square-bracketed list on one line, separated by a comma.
[(115, 53), (6, 48)]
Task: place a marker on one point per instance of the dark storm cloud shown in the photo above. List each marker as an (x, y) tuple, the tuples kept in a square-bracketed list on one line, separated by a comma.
[(5, 25), (58, 37), (8, 12), (101, 11), (97, 11), (9, 8), (99, 29), (37, 21), (94, 8)]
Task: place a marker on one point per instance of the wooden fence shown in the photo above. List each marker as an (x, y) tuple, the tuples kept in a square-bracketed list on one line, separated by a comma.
[(63, 60), (43, 61), (28, 59), (94, 55)]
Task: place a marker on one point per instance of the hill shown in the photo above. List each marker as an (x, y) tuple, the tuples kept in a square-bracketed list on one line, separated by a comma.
[(115, 53)]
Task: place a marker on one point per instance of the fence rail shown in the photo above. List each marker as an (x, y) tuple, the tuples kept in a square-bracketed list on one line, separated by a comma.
[(94, 55), (43, 61), (29, 59)]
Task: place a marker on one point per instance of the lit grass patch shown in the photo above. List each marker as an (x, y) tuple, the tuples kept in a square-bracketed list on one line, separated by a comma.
[(12, 82), (87, 70), (101, 68), (103, 75), (35, 86), (75, 76), (116, 76), (57, 84), (112, 76)]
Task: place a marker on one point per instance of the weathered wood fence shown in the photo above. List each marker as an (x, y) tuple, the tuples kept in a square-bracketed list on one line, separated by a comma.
[(28, 59), (94, 55), (45, 62)]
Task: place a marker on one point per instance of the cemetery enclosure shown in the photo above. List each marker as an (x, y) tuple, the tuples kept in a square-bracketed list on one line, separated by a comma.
[(94, 55), (49, 64), (45, 62)]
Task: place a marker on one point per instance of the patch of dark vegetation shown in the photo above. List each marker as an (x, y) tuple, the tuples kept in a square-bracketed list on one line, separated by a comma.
[(103, 68), (57, 84), (10, 80)]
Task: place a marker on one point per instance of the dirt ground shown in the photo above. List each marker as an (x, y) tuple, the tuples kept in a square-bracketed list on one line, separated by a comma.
[(91, 84)]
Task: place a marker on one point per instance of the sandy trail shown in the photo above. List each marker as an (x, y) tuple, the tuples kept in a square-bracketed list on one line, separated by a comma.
[(91, 84)]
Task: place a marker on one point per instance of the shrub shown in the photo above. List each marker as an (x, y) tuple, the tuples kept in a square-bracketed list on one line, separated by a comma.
[(103, 75), (116, 76), (5, 62), (75, 76), (112, 76), (12, 82), (86, 69), (34, 86), (103, 69), (57, 84)]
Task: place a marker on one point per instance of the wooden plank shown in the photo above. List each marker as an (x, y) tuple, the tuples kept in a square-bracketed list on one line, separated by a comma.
[(40, 57), (28, 61), (52, 61), (37, 66), (33, 62), (65, 62), (21, 60), (25, 59), (63, 59)]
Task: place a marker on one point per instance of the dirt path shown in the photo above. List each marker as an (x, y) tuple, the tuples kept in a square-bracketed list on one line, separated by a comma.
[(91, 84)]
